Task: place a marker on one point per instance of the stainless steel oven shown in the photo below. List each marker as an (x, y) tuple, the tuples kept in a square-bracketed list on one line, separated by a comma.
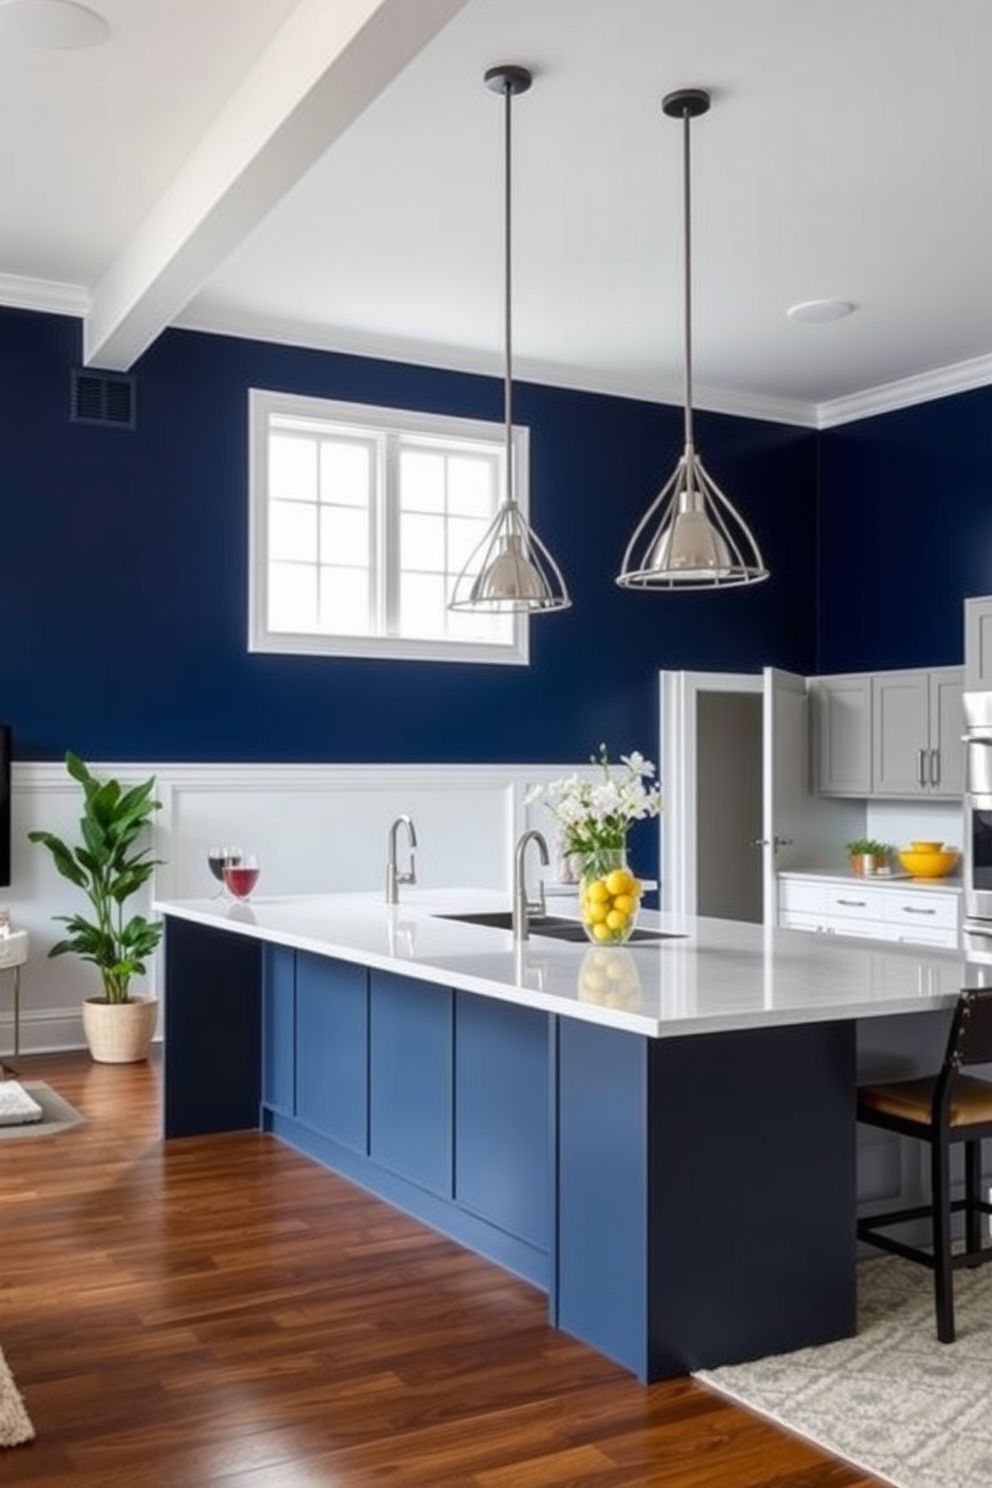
[(978, 815)]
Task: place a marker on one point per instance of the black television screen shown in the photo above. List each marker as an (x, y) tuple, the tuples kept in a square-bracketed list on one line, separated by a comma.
[(5, 749)]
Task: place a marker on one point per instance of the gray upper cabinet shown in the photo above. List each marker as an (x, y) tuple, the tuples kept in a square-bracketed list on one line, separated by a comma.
[(978, 644), (917, 722), (841, 734), (888, 733)]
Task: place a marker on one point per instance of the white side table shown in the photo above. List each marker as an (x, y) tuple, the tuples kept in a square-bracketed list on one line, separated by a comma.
[(13, 954)]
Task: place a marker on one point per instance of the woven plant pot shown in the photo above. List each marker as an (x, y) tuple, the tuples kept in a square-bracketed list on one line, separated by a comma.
[(119, 1032)]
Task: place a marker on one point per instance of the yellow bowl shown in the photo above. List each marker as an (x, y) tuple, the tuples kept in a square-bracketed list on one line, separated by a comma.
[(926, 847), (927, 864)]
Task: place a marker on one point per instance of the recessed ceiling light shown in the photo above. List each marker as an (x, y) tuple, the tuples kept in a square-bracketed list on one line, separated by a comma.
[(816, 311), (57, 25)]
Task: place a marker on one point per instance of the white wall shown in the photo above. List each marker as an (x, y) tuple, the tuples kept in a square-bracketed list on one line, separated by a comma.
[(315, 828)]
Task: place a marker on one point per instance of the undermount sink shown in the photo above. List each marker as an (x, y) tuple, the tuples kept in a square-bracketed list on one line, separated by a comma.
[(556, 927)]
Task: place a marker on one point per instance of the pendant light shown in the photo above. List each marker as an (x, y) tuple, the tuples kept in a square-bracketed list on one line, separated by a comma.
[(690, 537), (510, 570)]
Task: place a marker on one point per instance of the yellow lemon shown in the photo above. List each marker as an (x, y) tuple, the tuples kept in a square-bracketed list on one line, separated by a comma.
[(625, 903), (620, 881), (616, 920), (597, 889), (596, 912), (601, 931)]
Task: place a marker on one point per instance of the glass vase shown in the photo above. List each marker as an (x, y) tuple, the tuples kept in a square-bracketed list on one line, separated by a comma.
[(609, 896)]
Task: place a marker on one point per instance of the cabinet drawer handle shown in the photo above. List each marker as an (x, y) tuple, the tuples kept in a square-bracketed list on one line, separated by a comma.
[(852, 903), (935, 767), (917, 909), (921, 767)]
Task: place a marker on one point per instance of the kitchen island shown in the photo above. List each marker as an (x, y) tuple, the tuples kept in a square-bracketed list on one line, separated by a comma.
[(662, 1136)]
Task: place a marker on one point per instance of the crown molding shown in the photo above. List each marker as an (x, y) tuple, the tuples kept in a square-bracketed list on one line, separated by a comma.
[(48, 295), (450, 358), (943, 382)]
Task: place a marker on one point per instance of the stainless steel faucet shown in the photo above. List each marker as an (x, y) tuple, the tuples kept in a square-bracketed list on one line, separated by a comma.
[(394, 877), (523, 907)]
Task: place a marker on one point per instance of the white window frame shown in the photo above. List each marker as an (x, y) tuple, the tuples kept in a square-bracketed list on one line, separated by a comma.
[(263, 406)]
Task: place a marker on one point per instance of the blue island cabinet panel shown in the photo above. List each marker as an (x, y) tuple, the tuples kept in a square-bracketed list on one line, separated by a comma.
[(332, 1049), (411, 1080), (279, 1029), (503, 1116)]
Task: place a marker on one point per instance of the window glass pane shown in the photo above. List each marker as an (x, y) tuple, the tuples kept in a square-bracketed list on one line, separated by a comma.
[(422, 605), (463, 538), (362, 518), (344, 535), (344, 600), (421, 543), (421, 481), (292, 468), (345, 470), (464, 625), (293, 531), (471, 487), (292, 597)]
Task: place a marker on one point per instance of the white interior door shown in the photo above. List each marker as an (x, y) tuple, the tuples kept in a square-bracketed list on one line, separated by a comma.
[(799, 829)]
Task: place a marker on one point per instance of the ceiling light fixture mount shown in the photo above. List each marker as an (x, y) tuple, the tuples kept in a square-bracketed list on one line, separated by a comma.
[(691, 537), (510, 571), (52, 25)]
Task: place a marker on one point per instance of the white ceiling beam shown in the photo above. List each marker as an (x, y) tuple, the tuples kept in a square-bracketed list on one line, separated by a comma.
[(328, 61)]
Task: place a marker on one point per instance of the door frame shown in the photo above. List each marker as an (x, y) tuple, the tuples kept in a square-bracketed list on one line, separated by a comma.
[(677, 770)]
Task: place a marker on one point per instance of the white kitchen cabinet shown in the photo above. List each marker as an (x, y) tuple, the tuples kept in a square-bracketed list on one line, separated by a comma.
[(917, 723), (978, 644), (841, 734), (897, 910)]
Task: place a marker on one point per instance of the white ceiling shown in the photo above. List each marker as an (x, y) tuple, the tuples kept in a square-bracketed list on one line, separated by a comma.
[(329, 172)]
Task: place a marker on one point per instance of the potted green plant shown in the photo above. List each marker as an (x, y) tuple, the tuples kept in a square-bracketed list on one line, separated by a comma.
[(109, 867), (868, 856)]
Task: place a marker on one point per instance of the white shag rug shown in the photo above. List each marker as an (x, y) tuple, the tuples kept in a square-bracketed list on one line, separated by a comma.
[(15, 1423), (892, 1400), (54, 1114), (16, 1105)]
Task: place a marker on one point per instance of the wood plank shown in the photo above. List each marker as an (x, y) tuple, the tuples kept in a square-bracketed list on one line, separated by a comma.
[(218, 1310)]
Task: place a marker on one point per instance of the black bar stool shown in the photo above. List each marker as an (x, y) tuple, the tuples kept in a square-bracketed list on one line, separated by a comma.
[(941, 1110)]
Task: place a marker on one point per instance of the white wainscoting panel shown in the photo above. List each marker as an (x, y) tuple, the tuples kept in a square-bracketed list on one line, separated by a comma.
[(316, 828)]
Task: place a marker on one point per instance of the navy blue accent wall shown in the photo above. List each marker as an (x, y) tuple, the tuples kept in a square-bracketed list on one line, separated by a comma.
[(905, 534), (123, 602)]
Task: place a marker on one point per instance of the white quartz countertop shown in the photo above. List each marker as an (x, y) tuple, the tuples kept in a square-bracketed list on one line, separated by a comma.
[(949, 885), (714, 976)]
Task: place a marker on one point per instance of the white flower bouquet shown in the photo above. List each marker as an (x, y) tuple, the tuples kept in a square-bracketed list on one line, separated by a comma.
[(594, 815)]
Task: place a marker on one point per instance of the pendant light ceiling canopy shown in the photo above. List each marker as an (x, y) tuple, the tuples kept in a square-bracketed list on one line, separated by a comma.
[(691, 537), (510, 570)]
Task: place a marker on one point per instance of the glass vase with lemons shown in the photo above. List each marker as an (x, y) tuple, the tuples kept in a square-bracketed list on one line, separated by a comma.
[(594, 816)]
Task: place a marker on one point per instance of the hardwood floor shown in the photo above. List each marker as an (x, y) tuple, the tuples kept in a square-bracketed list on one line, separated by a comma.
[(221, 1311)]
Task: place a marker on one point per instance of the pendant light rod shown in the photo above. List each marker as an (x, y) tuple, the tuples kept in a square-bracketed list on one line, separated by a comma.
[(691, 536), (686, 104), (510, 570), (508, 81)]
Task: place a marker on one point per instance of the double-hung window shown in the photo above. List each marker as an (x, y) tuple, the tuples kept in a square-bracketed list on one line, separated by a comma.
[(361, 520)]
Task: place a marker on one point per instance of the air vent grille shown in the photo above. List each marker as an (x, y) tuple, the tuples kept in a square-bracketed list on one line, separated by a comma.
[(106, 398)]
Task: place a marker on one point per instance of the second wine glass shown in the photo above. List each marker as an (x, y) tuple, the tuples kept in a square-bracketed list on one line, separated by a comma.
[(241, 877)]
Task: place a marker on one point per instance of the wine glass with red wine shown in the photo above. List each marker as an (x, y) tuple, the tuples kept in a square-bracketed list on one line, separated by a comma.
[(217, 860), (241, 877)]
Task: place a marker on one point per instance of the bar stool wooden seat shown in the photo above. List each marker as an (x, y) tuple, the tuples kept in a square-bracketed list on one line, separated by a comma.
[(943, 1110)]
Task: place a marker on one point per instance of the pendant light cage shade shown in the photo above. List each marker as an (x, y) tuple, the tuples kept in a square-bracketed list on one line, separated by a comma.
[(510, 570), (691, 537)]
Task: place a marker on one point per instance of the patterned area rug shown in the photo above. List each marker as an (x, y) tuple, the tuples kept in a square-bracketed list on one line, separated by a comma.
[(56, 1114), (892, 1401), (15, 1425)]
